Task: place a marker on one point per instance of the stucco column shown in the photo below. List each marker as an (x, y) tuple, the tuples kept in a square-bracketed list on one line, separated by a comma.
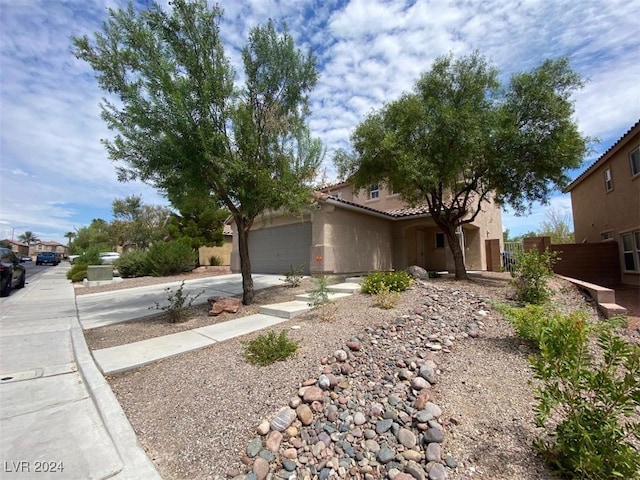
[(322, 256)]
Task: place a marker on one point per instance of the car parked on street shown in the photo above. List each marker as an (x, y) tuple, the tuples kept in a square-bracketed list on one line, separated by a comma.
[(12, 274), (26, 258), (109, 258), (47, 257)]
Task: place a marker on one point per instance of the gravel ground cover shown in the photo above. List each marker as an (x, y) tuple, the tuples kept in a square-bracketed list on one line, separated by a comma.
[(197, 414)]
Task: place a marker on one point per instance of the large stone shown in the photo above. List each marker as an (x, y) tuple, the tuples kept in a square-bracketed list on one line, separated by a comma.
[(223, 304), (305, 415), (261, 468), (417, 272), (313, 394), (406, 437), (283, 419), (273, 441)]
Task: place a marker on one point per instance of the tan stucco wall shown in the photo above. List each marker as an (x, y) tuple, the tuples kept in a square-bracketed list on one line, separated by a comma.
[(596, 211), (223, 252), (345, 242)]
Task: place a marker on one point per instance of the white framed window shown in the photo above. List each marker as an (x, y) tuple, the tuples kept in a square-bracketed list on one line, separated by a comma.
[(604, 236), (631, 250), (634, 161), (608, 180), (374, 191)]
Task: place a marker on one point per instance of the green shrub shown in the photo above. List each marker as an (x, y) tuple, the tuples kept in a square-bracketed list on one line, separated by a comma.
[(90, 257), (530, 274), (395, 281), (267, 349), (585, 404), (177, 303), (293, 276), (530, 321), (170, 258), (319, 296), (215, 261), (386, 299), (133, 264), (77, 273)]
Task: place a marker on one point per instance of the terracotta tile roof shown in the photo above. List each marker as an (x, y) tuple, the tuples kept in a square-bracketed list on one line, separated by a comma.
[(396, 213), (408, 211)]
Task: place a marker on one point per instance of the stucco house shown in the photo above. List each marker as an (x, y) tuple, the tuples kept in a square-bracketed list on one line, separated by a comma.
[(48, 247), (347, 232), (605, 200)]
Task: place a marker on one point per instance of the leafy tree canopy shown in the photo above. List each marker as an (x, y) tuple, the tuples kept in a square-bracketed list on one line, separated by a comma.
[(183, 124), (461, 139)]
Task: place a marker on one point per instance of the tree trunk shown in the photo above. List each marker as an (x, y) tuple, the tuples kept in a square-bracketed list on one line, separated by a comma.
[(245, 262), (456, 250)]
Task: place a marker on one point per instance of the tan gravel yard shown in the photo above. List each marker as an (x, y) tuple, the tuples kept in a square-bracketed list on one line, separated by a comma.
[(195, 413)]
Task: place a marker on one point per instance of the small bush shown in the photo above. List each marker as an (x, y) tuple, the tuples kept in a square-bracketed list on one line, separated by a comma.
[(215, 261), (267, 349), (177, 304), (395, 281), (90, 257), (531, 321), (386, 299), (77, 273), (293, 276), (530, 274), (133, 264), (170, 258)]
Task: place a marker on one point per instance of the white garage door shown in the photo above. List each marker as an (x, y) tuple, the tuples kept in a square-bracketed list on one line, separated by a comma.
[(275, 250)]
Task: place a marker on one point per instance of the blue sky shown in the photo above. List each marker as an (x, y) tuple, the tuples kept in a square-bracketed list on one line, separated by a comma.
[(55, 175)]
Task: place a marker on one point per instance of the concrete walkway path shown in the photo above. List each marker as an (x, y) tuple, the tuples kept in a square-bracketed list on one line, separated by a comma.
[(58, 416)]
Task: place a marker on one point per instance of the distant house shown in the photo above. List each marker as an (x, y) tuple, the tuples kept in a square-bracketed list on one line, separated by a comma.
[(347, 232), (48, 247), (605, 200), (19, 248)]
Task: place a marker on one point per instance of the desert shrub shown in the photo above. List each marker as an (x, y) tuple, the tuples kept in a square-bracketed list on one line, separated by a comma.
[(395, 281), (267, 349), (77, 273), (170, 258), (133, 264), (319, 297), (531, 321), (293, 276), (587, 403), (177, 303), (90, 257), (530, 274), (215, 261), (386, 299)]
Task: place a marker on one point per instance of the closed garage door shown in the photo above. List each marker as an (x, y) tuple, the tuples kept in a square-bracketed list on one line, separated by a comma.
[(275, 250)]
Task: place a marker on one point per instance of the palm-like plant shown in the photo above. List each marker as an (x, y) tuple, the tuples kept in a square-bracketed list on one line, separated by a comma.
[(28, 238)]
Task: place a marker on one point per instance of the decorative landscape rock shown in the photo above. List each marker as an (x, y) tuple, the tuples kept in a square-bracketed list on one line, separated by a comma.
[(417, 272), (370, 413), (223, 304)]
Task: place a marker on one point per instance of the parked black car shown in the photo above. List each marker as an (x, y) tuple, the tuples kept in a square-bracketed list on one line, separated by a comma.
[(47, 257), (12, 274)]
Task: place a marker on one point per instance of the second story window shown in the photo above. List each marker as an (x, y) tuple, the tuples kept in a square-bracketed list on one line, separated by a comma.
[(608, 181), (374, 191), (634, 161)]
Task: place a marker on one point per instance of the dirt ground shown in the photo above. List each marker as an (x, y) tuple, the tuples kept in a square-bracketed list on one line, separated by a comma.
[(628, 296)]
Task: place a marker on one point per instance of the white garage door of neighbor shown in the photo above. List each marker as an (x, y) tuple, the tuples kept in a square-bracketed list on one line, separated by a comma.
[(275, 250)]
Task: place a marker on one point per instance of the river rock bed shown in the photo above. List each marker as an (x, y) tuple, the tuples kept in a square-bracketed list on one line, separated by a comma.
[(370, 413)]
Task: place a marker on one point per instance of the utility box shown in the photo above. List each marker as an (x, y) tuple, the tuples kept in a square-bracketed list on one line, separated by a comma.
[(99, 273)]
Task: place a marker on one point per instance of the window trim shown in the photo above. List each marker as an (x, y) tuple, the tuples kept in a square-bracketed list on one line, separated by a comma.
[(374, 193), (634, 252), (608, 180), (635, 151)]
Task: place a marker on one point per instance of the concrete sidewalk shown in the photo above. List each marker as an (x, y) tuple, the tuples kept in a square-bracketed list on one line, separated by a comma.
[(58, 416)]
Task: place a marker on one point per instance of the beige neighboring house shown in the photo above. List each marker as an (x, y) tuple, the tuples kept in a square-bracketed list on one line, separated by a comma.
[(605, 200), (19, 248), (55, 247), (347, 232)]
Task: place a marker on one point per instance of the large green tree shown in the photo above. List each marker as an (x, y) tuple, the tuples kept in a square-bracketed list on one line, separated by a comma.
[(138, 224), (460, 139), (183, 123)]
